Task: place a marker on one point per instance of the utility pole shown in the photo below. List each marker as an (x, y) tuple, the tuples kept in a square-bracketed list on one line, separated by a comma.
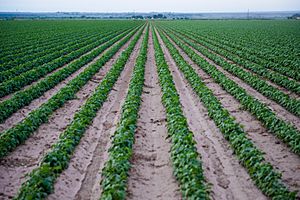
[(248, 14)]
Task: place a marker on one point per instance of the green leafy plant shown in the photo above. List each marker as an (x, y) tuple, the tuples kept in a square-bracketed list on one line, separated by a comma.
[(13, 137), (261, 172), (291, 104), (47, 55), (283, 130), (115, 172), (186, 161), (24, 97), (42, 179)]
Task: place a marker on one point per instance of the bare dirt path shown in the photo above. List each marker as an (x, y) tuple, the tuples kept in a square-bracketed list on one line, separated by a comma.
[(277, 153), (23, 112), (221, 168), (81, 180), (281, 112), (151, 174), (27, 156)]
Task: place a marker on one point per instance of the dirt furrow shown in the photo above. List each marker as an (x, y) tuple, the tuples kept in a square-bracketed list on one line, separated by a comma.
[(82, 179), (277, 153), (27, 156), (151, 174), (281, 112), (228, 179), (23, 112)]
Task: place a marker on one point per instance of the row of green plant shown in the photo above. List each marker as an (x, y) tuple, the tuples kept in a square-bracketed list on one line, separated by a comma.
[(14, 35), (32, 75), (20, 41), (20, 49), (274, 53), (289, 103), (185, 158), (35, 60), (243, 60), (26, 96), (283, 130), (261, 172), (245, 53), (16, 135), (41, 180), (275, 41), (15, 59), (115, 171)]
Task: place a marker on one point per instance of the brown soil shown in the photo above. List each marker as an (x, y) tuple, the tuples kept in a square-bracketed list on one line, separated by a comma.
[(277, 153), (284, 90), (23, 112), (151, 174), (280, 111), (27, 156), (33, 83), (82, 179), (228, 179)]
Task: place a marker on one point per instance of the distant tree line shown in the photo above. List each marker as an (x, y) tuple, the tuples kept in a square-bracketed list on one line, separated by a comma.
[(295, 16), (158, 16)]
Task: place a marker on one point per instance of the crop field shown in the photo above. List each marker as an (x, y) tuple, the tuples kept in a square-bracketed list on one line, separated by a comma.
[(145, 110)]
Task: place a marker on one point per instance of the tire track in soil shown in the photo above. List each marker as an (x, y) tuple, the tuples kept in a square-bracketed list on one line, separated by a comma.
[(27, 156), (81, 180), (277, 153), (280, 111), (228, 179), (23, 112), (150, 176)]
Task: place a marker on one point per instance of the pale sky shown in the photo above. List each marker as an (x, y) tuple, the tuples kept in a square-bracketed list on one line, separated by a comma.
[(149, 5)]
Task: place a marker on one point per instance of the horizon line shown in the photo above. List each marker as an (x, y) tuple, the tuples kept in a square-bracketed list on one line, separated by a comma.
[(190, 12)]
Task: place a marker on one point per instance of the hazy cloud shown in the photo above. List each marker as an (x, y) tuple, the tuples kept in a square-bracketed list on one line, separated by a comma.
[(149, 5)]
